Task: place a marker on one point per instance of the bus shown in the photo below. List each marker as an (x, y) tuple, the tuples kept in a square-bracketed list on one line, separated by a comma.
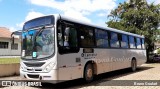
[(59, 48)]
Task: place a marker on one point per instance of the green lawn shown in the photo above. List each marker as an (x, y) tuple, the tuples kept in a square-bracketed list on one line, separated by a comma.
[(9, 60)]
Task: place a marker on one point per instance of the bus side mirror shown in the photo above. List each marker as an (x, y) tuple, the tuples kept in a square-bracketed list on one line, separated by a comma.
[(19, 32), (12, 38)]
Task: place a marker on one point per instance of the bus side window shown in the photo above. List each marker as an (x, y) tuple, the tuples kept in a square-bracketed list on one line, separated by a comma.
[(67, 38), (86, 36), (142, 43), (124, 42), (138, 43), (70, 37), (132, 42), (60, 37), (101, 38), (73, 37), (114, 42)]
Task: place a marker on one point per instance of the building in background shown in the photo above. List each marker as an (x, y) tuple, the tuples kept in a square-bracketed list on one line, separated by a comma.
[(6, 46)]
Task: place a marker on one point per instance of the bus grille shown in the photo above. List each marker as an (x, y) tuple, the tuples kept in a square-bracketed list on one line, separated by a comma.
[(33, 76), (39, 64)]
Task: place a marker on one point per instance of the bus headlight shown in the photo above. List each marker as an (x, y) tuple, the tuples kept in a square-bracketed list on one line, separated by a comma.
[(49, 67), (23, 68)]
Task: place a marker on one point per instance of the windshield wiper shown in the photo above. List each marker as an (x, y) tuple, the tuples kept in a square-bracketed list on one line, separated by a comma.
[(40, 30), (34, 40)]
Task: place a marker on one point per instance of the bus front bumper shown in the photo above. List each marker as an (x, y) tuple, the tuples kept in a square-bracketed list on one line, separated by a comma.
[(50, 77)]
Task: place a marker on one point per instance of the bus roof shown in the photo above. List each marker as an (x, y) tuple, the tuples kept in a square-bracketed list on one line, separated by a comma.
[(96, 26), (58, 16)]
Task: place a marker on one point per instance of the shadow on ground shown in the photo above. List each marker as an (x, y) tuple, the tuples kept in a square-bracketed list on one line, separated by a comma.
[(102, 78)]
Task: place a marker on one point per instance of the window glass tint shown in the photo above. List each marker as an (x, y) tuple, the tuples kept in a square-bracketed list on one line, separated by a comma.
[(142, 40), (138, 44), (124, 42), (114, 42), (86, 36), (132, 42), (101, 38)]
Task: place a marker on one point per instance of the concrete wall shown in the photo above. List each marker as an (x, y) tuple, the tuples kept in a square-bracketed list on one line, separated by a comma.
[(9, 69), (9, 51)]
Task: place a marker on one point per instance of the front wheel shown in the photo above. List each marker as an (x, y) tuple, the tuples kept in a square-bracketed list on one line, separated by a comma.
[(133, 65), (88, 73)]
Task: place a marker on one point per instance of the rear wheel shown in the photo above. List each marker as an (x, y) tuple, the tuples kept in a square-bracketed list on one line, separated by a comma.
[(88, 73), (133, 65)]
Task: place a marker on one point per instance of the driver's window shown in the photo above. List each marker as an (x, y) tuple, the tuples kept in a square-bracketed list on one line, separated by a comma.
[(67, 37), (72, 39), (60, 35)]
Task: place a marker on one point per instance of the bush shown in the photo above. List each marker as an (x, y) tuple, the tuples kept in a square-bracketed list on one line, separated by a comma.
[(158, 51)]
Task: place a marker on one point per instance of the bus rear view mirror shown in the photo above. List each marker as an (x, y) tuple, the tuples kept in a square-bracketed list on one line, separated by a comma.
[(15, 33), (12, 38)]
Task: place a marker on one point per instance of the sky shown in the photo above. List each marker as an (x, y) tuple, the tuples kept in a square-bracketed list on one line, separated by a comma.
[(13, 13)]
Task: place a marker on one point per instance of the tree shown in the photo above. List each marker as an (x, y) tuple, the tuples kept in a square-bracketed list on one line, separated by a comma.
[(139, 17)]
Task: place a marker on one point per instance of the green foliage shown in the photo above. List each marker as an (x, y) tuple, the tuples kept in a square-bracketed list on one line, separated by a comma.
[(137, 17), (158, 51)]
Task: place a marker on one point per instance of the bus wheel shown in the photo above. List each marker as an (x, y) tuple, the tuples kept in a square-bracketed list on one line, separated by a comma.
[(133, 65), (88, 73)]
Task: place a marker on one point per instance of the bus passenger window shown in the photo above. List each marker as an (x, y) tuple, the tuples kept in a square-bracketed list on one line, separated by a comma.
[(66, 36), (114, 42), (70, 37), (124, 42), (86, 37), (73, 37), (138, 43), (142, 42), (101, 38), (132, 42)]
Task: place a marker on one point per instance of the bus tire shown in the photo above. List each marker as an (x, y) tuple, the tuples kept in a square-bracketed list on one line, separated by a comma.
[(88, 73), (133, 65)]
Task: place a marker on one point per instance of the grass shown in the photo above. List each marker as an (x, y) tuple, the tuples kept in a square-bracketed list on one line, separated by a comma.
[(9, 60)]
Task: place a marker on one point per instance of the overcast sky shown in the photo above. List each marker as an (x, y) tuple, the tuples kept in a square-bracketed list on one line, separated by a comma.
[(15, 12)]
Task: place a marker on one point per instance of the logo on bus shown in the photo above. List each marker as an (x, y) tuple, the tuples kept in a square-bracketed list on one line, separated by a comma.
[(88, 55)]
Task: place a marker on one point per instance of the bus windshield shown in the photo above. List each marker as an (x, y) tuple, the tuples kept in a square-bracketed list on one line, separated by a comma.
[(38, 43)]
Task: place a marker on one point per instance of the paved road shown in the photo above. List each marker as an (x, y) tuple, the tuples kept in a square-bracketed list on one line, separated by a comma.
[(107, 80)]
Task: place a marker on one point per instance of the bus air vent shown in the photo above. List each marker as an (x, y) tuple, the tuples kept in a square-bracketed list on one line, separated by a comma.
[(33, 76), (38, 64)]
